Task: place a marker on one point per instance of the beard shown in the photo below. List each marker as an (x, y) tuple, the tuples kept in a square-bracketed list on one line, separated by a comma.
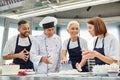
[(25, 34)]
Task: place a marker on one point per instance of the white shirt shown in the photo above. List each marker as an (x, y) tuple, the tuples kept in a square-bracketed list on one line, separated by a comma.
[(83, 44), (111, 46), (11, 44), (44, 46)]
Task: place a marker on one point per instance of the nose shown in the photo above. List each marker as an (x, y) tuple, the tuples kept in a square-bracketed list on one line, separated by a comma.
[(27, 30)]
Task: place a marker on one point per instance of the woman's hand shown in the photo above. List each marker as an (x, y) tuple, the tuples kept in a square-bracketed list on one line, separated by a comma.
[(64, 61), (78, 66), (89, 54)]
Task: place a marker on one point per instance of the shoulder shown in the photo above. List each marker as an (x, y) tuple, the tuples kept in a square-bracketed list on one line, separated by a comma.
[(12, 39), (66, 41), (110, 37), (82, 40), (57, 37), (31, 37), (39, 37)]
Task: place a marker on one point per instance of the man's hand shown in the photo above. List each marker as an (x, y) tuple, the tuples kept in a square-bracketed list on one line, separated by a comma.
[(24, 55), (46, 60)]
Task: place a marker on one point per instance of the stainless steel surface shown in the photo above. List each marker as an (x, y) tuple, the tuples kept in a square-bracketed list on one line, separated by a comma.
[(57, 77)]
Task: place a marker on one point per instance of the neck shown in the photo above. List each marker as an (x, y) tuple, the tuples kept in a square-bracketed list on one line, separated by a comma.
[(21, 36), (74, 38), (101, 36)]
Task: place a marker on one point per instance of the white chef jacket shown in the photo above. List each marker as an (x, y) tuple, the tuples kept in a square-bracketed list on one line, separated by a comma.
[(44, 46)]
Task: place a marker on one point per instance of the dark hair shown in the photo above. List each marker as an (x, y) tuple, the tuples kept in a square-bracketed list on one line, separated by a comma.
[(22, 22), (99, 25)]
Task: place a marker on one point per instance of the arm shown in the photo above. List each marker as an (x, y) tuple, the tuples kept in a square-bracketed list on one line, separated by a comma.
[(9, 49), (93, 54), (34, 52), (106, 59), (64, 58), (84, 47), (83, 61), (10, 56), (59, 59), (64, 52), (35, 56), (111, 50), (20, 55)]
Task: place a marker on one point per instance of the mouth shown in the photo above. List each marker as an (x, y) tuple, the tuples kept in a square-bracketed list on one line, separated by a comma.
[(26, 33)]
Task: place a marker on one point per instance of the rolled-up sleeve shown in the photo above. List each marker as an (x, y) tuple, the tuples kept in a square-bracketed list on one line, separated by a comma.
[(114, 50), (9, 48), (64, 45)]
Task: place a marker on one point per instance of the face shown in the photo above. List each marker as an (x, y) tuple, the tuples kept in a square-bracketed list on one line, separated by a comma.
[(49, 32), (73, 30), (91, 29), (24, 30)]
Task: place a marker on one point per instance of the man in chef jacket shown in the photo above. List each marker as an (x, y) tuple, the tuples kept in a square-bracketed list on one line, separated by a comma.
[(46, 50)]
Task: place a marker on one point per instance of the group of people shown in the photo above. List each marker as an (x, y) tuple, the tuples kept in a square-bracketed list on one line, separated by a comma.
[(44, 53)]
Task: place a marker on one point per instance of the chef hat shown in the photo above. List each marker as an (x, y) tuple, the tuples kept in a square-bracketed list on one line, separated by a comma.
[(48, 22)]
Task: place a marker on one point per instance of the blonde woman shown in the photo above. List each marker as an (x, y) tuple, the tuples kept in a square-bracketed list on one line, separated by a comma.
[(74, 46)]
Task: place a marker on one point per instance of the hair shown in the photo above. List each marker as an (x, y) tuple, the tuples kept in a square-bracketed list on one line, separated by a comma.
[(22, 22), (71, 22), (99, 25)]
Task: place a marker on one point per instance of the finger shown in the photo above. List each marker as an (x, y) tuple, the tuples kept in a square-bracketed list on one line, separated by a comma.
[(48, 56), (24, 59), (26, 51), (48, 61), (83, 50), (66, 62), (63, 62), (76, 64)]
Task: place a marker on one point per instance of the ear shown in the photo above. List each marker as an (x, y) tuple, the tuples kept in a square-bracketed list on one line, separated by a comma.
[(67, 30), (18, 28)]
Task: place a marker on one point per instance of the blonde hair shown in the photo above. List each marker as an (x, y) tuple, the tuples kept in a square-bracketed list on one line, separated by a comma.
[(71, 22)]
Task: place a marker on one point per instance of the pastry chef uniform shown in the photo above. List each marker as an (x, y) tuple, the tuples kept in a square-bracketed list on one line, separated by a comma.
[(44, 46)]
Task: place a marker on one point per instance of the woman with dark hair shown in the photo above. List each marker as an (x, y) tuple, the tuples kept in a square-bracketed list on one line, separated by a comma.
[(106, 47)]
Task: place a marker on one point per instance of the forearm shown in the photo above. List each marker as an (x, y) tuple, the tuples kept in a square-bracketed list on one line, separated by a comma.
[(105, 59), (10, 56), (64, 54), (82, 63)]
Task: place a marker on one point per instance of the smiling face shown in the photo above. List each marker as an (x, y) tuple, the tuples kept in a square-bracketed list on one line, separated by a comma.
[(73, 30), (91, 29), (24, 30)]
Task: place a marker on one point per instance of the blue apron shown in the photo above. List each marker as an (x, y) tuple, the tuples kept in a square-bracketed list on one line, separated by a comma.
[(75, 56), (23, 65), (100, 50)]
